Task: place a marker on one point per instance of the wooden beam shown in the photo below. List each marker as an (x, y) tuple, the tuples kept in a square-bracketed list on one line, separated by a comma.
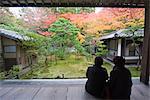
[(1, 3), (145, 70), (35, 2), (18, 2), (42, 2), (76, 3), (26, 1), (10, 3)]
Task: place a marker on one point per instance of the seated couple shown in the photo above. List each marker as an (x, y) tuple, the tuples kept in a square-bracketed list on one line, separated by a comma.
[(117, 86)]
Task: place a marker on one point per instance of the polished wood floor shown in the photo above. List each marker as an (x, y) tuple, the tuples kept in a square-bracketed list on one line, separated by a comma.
[(58, 90)]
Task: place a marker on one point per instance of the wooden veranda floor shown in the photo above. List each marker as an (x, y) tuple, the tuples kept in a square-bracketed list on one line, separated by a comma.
[(68, 89)]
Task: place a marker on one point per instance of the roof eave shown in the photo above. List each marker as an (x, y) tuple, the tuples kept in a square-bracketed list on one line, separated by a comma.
[(73, 3)]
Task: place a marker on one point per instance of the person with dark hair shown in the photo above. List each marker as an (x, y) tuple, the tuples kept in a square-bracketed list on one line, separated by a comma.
[(97, 76), (120, 82)]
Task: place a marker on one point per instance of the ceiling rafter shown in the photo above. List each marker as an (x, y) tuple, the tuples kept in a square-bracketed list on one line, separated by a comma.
[(9, 1), (26, 1), (43, 2), (18, 2), (1, 3), (75, 3), (34, 2)]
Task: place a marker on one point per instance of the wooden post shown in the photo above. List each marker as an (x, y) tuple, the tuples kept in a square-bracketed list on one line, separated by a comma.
[(145, 71), (119, 48)]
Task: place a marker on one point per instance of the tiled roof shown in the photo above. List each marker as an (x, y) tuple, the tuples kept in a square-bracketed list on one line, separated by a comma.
[(12, 35), (123, 33)]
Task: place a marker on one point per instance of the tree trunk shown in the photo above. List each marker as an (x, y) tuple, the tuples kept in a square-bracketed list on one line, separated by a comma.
[(46, 61), (139, 59), (139, 56)]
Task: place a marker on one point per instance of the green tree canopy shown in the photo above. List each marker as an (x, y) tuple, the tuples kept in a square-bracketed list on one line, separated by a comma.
[(65, 36)]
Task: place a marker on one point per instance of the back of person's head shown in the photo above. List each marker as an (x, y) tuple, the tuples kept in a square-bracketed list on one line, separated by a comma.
[(119, 61), (98, 61)]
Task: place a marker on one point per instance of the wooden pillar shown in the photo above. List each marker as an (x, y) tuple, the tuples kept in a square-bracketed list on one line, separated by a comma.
[(119, 48), (145, 70), (17, 54)]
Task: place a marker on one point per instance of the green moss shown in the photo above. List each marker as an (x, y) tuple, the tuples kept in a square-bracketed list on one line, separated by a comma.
[(134, 72), (69, 68), (108, 67)]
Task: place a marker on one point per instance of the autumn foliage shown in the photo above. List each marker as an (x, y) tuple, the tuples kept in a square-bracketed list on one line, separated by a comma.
[(108, 19)]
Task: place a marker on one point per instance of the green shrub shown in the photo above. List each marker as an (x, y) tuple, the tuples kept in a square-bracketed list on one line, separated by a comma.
[(14, 71), (2, 75)]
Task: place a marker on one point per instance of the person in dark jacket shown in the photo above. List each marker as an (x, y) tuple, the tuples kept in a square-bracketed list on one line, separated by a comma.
[(97, 77), (120, 82)]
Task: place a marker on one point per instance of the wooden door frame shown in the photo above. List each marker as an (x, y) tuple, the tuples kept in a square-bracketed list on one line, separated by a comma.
[(145, 69)]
